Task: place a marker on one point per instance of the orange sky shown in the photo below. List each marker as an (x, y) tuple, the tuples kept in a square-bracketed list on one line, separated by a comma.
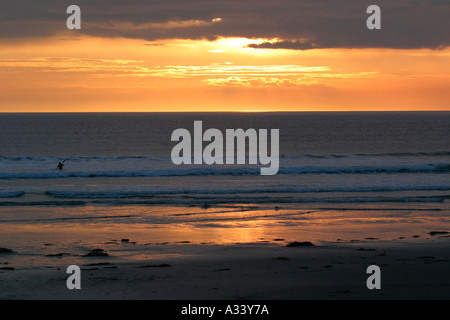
[(79, 73)]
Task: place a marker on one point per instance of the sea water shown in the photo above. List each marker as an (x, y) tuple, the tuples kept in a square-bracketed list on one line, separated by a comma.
[(125, 159)]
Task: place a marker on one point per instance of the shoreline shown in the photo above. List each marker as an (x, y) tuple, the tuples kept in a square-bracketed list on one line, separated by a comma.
[(225, 253), (415, 268)]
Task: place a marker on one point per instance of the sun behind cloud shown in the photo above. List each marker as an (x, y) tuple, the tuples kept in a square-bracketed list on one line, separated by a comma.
[(225, 58)]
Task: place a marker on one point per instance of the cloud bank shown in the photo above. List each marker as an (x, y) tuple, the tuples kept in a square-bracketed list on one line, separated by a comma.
[(295, 24)]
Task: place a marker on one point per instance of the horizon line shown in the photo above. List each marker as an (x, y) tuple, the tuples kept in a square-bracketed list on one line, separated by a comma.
[(221, 111)]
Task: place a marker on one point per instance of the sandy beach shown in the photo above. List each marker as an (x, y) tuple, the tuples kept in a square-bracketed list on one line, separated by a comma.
[(412, 267)]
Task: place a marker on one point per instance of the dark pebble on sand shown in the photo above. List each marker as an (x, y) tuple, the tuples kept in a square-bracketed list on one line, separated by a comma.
[(125, 240), (426, 257), (7, 268), (57, 254), (433, 233), (164, 265), (96, 253), (5, 250), (300, 244)]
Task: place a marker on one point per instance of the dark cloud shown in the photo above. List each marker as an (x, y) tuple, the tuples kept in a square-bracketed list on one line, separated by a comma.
[(297, 24), (285, 44)]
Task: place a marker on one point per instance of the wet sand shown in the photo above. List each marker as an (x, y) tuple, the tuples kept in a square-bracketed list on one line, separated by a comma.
[(412, 267)]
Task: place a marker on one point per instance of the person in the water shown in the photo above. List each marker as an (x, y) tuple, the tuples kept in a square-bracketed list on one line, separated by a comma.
[(60, 166)]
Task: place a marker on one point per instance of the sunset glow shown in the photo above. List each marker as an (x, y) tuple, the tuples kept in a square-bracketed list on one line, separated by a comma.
[(72, 70)]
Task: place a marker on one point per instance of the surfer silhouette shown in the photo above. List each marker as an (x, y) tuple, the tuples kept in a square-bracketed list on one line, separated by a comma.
[(60, 166)]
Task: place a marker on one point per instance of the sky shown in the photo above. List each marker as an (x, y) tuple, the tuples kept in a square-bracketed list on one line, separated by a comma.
[(224, 55)]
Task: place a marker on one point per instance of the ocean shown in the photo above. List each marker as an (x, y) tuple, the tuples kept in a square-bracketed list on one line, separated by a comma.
[(125, 159), (118, 169)]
